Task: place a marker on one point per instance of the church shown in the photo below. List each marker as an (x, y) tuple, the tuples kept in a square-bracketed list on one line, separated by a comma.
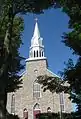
[(30, 99)]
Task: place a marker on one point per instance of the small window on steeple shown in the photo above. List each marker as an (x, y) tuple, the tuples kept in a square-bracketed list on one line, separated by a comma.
[(42, 53), (34, 53), (37, 53)]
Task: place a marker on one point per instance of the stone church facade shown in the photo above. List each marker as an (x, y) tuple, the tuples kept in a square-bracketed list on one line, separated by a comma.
[(30, 99)]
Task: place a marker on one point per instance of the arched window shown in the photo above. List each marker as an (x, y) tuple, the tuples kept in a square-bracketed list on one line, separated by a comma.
[(37, 53), (62, 102), (36, 90), (34, 53), (13, 104), (48, 109), (36, 110), (25, 113)]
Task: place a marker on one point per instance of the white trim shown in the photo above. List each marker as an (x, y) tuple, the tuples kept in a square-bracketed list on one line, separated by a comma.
[(36, 46), (55, 75), (35, 58)]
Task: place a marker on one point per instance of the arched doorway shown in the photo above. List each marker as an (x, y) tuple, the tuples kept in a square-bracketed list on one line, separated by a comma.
[(36, 110)]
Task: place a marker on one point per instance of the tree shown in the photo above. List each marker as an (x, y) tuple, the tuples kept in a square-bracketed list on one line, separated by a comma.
[(10, 8), (53, 84), (72, 72), (10, 59), (11, 80)]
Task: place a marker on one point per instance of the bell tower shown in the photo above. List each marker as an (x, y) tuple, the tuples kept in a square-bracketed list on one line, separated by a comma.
[(37, 48)]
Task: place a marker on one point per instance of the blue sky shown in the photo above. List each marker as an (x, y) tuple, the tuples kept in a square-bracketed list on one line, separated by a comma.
[(52, 24)]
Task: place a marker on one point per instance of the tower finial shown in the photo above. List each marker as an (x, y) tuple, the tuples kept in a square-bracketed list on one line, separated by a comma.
[(36, 34), (36, 19)]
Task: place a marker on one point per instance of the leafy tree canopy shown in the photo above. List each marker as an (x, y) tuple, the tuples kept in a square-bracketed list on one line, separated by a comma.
[(15, 60), (72, 72), (53, 84)]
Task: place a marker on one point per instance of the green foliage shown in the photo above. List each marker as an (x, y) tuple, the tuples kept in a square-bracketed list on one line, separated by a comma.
[(48, 116), (14, 60), (73, 76), (24, 6), (72, 73), (55, 116), (73, 40), (53, 84)]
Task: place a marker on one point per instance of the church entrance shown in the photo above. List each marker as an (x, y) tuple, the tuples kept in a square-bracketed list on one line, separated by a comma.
[(36, 111)]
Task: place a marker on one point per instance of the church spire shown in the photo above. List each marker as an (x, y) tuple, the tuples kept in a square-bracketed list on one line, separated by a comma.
[(36, 48), (36, 34)]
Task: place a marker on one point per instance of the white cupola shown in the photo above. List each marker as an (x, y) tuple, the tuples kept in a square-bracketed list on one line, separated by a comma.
[(36, 48)]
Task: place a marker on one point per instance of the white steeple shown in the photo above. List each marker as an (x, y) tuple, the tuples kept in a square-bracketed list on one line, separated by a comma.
[(36, 48), (36, 34)]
